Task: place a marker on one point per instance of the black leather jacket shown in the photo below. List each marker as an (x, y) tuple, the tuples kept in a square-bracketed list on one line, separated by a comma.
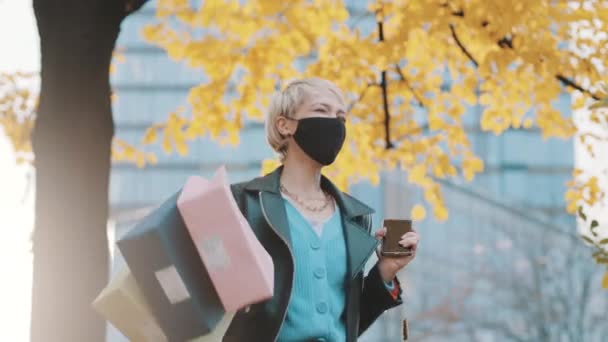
[(366, 298)]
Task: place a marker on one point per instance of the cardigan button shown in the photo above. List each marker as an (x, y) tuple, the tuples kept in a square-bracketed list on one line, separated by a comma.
[(322, 308), (319, 273), (315, 245)]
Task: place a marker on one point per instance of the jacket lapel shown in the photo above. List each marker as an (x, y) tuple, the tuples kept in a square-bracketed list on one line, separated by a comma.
[(273, 209), (271, 202), (359, 243)]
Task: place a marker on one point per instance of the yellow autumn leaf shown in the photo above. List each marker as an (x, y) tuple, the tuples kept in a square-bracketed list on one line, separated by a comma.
[(233, 138), (180, 146), (417, 174), (167, 147), (418, 213), (435, 123), (470, 166), (268, 165), (605, 281), (150, 136), (140, 160), (128, 152), (151, 158), (440, 213)]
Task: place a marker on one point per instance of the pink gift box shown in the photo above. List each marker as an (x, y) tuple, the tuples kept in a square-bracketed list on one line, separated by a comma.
[(225, 242)]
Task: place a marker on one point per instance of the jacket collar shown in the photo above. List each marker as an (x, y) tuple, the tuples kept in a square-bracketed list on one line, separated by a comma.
[(350, 206)]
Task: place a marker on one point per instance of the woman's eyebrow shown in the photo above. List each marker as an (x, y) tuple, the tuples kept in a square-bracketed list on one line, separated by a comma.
[(324, 105), (328, 107)]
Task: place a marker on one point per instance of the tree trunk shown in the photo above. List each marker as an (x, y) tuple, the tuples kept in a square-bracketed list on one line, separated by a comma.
[(72, 143)]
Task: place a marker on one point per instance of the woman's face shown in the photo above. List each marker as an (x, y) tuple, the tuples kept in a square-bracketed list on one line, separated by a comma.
[(319, 139)]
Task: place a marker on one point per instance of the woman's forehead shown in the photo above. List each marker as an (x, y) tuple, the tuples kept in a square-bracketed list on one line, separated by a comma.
[(325, 98)]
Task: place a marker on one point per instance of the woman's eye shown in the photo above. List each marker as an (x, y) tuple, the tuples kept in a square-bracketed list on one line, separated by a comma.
[(321, 110)]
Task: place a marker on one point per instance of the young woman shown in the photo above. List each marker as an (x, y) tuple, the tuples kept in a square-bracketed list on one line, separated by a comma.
[(318, 237)]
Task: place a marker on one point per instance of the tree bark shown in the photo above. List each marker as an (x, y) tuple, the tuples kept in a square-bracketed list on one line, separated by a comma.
[(72, 143)]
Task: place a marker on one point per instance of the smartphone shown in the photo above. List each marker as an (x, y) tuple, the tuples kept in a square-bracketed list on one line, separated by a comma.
[(394, 231)]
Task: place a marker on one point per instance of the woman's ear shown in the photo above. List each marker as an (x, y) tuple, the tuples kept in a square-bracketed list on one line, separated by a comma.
[(284, 126)]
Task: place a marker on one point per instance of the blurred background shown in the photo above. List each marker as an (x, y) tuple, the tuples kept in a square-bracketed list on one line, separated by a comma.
[(507, 265)]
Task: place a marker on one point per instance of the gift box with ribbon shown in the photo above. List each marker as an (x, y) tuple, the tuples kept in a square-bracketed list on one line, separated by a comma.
[(229, 249), (171, 275), (123, 304)]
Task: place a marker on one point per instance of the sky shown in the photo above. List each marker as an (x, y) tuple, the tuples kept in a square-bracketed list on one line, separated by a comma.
[(20, 52)]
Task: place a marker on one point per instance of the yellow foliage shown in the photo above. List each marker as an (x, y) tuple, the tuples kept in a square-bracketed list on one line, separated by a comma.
[(269, 165), (510, 64), (117, 57), (417, 174), (418, 213), (151, 135), (123, 151), (605, 281), (503, 56), (583, 189), (440, 212), (18, 101), (471, 165)]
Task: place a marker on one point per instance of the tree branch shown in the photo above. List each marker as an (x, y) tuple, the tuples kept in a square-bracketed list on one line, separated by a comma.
[(570, 83), (456, 13), (384, 85), (462, 47), (507, 42), (361, 95), (409, 86)]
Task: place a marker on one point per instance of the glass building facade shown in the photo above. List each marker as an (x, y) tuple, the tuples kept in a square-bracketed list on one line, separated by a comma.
[(487, 274)]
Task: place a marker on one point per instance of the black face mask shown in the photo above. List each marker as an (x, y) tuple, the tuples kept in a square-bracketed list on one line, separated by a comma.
[(321, 138)]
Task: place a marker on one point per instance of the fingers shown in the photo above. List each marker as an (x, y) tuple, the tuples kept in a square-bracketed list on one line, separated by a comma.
[(381, 233), (410, 235), (408, 243), (409, 239)]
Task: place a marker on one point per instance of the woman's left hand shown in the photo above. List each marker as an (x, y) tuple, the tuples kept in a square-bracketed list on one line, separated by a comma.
[(389, 266)]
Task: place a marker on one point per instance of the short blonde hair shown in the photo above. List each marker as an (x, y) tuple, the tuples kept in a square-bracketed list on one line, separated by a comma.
[(286, 103)]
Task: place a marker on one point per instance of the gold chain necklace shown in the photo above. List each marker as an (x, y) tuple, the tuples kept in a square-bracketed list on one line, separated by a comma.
[(302, 203)]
